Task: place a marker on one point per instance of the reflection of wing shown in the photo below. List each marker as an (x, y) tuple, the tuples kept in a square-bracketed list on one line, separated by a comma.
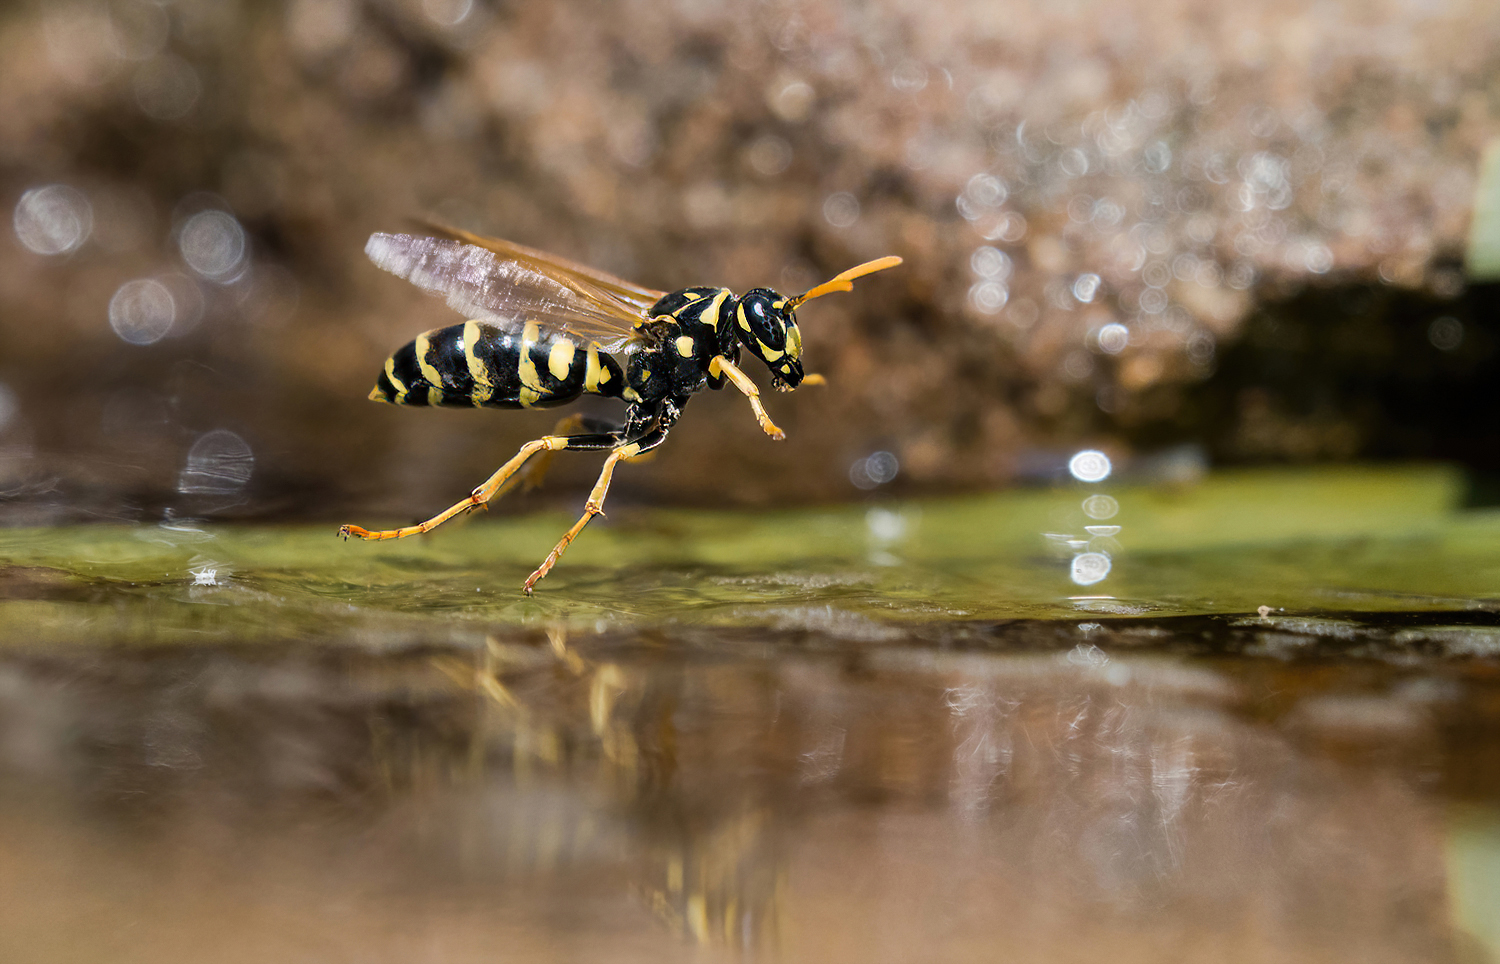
[(494, 285)]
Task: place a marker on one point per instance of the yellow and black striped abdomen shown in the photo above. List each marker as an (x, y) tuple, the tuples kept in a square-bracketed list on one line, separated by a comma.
[(480, 365)]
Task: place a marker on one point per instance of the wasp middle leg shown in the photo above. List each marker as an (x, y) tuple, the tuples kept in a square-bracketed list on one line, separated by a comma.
[(492, 486)]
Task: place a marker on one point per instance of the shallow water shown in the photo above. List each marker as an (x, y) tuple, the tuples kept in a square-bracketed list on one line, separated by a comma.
[(889, 732)]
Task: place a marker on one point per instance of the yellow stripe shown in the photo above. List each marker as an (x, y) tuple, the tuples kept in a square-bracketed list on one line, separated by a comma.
[(677, 315), (527, 397), (423, 346), (434, 396), (710, 315), (767, 352), (530, 335), (390, 372), (478, 370), (560, 359), (744, 322), (591, 369)]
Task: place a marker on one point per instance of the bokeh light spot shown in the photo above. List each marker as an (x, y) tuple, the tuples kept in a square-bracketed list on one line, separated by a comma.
[(1446, 333), (769, 155), (874, 470), (909, 76), (1090, 465), (142, 311), (167, 88), (792, 101), (987, 190), (1090, 567), (448, 13), (140, 29), (1100, 506), (1086, 287), (841, 210), (882, 467), (219, 463), (1114, 338), (213, 244), (55, 219), (886, 526), (988, 297), (988, 262)]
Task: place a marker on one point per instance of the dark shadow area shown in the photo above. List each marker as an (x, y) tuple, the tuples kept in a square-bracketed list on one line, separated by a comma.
[(1355, 371)]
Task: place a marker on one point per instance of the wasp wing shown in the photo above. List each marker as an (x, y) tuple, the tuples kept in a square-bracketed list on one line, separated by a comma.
[(481, 284), (591, 282)]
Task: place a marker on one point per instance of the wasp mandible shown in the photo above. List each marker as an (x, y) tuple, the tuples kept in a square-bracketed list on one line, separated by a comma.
[(544, 330)]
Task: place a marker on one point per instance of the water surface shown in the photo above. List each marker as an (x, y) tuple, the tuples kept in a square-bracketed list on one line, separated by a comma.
[(889, 732)]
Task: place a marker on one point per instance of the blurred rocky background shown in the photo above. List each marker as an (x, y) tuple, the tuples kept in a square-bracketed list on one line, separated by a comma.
[(1181, 231)]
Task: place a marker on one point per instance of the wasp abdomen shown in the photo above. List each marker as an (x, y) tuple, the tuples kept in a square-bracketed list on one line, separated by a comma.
[(480, 365)]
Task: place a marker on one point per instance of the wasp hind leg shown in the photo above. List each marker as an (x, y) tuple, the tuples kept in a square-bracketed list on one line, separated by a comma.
[(494, 485), (595, 504), (535, 471)]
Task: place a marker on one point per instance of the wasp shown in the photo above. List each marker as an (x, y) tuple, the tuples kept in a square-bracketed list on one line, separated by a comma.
[(543, 331)]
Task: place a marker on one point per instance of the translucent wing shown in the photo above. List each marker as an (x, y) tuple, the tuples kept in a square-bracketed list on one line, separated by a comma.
[(592, 282), (485, 284)]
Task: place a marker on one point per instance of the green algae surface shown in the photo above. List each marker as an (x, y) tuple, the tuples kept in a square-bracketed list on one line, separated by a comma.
[(1295, 541)]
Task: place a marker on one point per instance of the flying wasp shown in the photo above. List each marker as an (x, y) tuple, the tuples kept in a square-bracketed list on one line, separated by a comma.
[(544, 331)]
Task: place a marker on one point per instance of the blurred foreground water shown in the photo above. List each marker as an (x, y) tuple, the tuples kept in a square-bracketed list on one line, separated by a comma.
[(1254, 718)]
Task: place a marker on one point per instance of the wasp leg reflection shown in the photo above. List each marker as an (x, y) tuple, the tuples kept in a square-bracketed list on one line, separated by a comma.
[(493, 485)]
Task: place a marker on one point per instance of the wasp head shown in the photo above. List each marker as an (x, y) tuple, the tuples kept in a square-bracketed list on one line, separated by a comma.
[(767, 324)]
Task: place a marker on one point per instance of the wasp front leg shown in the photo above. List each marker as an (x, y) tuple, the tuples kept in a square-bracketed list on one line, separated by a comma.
[(493, 485), (719, 365)]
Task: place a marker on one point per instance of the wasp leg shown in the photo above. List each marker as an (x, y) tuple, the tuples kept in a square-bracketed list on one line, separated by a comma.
[(492, 486), (595, 504), (535, 472), (744, 384)]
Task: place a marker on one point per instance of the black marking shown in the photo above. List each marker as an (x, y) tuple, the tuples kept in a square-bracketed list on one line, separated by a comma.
[(404, 367), (447, 356), (499, 353)]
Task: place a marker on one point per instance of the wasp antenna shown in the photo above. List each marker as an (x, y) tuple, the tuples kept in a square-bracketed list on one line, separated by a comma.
[(845, 281)]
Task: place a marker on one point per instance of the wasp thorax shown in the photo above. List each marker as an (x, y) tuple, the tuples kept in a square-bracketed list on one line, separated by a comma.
[(767, 328)]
